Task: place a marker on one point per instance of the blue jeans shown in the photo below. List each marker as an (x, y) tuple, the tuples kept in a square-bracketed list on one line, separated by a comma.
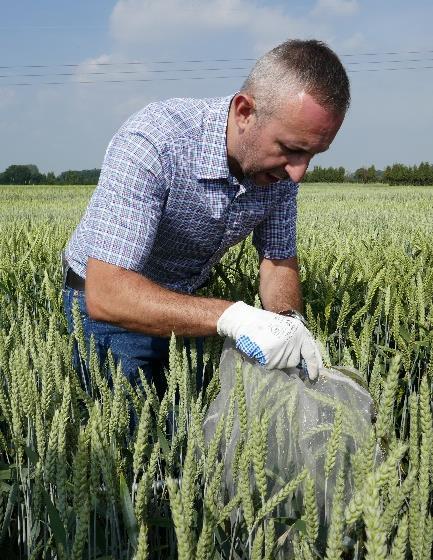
[(134, 350)]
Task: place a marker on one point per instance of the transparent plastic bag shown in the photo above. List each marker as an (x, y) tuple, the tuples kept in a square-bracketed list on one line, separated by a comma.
[(299, 418)]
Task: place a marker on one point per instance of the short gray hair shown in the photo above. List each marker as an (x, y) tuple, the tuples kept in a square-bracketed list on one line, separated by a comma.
[(295, 66)]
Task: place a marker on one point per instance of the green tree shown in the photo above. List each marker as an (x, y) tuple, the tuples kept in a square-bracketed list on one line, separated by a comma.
[(50, 178), (366, 175), (21, 175), (83, 177), (325, 175)]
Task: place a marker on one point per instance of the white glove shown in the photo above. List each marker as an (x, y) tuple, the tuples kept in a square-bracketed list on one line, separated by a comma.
[(275, 341)]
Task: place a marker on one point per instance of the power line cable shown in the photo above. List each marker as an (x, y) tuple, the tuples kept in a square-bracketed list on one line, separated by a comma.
[(135, 80), (158, 71), (127, 63), (125, 81), (385, 61), (195, 61), (125, 72), (393, 69), (386, 53)]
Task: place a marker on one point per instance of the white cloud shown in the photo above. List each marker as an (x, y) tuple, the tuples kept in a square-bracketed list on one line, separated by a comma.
[(167, 21), (104, 66), (335, 7), (111, 101), (355, 42), (7, 96), (140, 21)]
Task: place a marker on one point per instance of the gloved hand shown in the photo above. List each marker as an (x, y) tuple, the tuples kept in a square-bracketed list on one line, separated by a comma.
[(275, 341)]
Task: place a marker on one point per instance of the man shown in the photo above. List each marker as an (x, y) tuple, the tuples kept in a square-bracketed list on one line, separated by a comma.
[(183, 180)]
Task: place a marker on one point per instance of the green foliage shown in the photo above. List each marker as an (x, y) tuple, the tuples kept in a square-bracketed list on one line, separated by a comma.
[(30, 175), (325, 175), (399, 174), (366, 175), (83, 177), (21, 175), (77, 482)]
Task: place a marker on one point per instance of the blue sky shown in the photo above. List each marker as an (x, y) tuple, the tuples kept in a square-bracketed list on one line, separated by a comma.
[(68, 125)]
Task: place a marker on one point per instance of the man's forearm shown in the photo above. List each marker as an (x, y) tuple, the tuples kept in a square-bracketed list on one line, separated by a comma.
[(280, 288), (128, 299)]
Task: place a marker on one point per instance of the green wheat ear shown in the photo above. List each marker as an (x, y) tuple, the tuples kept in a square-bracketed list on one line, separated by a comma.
[(81, 480)]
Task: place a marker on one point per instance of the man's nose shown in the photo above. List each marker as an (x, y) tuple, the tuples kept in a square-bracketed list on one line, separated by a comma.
[(296, 171)]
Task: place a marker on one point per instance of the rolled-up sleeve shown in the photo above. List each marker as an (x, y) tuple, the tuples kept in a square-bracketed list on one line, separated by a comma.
[(124, 212), (275, 237)]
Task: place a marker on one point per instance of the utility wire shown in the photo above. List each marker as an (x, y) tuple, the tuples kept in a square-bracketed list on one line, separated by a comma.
[(192, 78), (127, 72), (128, 63), (385, 61), (392, 69), (76, 65), (125, 81), (386, 53), (158, 71)]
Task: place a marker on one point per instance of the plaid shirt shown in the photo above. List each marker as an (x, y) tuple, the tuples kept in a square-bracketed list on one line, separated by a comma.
[(166, 205)]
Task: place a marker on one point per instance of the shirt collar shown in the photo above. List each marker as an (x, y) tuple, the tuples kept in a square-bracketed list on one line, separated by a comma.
[(212, 159)]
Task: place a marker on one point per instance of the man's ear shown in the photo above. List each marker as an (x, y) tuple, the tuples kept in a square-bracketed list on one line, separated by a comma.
[(245, 108)]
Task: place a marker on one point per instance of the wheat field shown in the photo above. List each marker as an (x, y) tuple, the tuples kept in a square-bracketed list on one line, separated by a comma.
[(97, 474)]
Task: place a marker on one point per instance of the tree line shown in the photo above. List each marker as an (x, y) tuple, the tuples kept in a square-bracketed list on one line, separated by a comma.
[(30, 175), (396, 174)]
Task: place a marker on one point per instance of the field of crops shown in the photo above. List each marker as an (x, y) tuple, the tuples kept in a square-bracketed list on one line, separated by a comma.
[(102, 474)]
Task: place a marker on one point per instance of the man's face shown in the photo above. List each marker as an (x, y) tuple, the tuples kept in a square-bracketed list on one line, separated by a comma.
[(281, 146)]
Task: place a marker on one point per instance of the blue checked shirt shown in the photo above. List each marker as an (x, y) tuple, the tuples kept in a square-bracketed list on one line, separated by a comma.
[(166, 205)]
